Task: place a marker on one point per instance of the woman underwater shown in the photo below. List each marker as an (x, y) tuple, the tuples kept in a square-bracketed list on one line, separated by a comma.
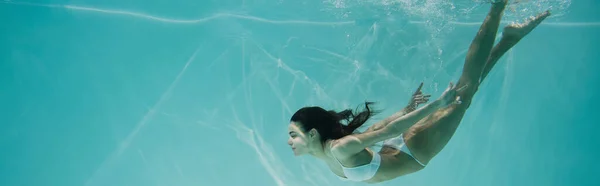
[(411, 138)]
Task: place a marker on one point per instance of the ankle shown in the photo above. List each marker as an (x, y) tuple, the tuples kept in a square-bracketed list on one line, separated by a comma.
[(509, 39), (498, 6)]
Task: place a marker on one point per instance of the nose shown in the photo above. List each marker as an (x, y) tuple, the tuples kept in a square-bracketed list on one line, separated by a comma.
[(289, 142)]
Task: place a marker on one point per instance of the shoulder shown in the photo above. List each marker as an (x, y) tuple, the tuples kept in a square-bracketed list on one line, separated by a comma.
[(338, 148), (355, 143), (332, 148), (329, 145)]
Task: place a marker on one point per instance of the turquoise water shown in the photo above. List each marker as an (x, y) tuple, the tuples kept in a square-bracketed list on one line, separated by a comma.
[(177, 93)]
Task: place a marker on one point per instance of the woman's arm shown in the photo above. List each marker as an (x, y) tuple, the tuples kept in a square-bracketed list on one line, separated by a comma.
[(351, 144), (381, 124), (401, 124), (416, 99)]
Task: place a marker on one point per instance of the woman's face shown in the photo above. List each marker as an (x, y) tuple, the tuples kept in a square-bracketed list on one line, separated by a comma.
[(299, 140)]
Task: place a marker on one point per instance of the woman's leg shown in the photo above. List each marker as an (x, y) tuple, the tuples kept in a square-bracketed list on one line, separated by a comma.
[(428, 137), (511, 35)]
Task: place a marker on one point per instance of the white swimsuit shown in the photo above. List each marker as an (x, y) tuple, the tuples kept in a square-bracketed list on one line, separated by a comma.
[(366, 172), (398, 143), (363, 172)]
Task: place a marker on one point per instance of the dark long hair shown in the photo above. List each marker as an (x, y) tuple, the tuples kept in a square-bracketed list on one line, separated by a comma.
[(329, 123)]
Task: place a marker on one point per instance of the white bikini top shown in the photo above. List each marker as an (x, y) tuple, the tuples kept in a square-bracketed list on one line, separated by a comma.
[(363, 172)]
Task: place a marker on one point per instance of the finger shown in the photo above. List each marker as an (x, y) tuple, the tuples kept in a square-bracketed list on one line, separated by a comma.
[(426, 96), (463, 87), (419, 89), (449, 87), (457, 100)]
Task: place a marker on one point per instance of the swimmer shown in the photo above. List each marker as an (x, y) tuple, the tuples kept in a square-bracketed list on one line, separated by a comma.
[(410, 139)]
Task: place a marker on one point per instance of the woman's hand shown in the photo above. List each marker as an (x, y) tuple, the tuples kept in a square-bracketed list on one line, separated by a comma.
[(449, 96), (418, 98)]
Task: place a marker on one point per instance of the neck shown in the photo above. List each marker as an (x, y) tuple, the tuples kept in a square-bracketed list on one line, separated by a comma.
[(318, 150)]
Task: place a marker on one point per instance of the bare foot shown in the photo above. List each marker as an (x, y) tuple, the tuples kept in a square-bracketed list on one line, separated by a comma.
[(518, 31), (499, 5), (498, 1)]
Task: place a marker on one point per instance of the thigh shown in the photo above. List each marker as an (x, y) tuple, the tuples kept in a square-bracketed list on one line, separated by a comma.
[(395, 163), (430, 135)]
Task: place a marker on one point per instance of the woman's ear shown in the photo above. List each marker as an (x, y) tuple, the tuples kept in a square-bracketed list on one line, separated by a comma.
[(313, 133)]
